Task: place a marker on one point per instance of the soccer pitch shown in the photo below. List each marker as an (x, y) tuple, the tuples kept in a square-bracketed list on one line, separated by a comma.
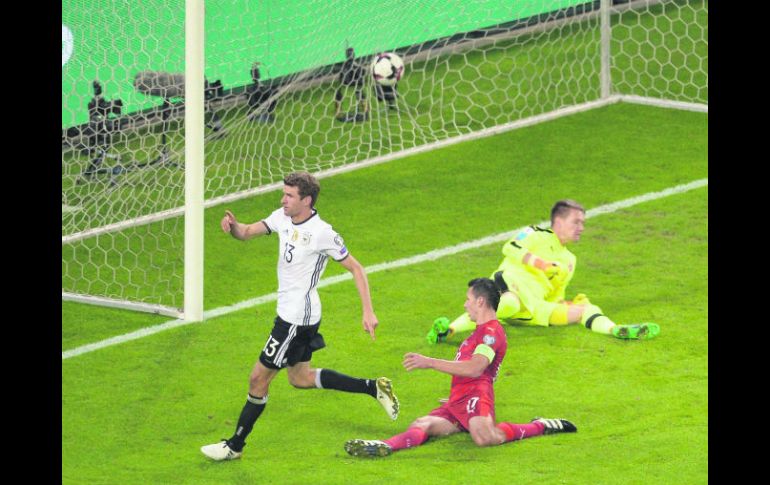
[(138, 412)]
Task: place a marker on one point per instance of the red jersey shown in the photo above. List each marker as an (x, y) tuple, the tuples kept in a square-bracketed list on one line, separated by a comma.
[(492, 335)]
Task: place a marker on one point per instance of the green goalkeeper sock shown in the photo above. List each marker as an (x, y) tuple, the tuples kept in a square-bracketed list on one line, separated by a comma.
[(463, 323)]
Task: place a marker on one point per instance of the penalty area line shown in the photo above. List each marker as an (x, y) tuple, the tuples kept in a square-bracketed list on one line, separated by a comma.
[(399, 263)]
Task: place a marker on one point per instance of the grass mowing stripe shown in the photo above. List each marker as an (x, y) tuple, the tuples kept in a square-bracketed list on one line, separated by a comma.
[(429, 256)]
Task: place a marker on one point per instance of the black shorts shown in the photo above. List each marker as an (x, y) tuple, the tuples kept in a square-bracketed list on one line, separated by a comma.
[(289, 344)]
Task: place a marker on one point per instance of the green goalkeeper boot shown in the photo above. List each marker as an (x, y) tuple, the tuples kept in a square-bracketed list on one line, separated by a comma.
[(638, 331), (438, 331)]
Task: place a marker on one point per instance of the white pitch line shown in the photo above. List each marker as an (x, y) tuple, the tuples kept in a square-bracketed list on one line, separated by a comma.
[(420, 258)]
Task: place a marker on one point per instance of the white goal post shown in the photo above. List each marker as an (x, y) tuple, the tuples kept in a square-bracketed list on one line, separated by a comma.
[(158, 125)]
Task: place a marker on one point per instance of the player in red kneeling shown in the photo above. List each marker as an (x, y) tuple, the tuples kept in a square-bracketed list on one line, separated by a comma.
[(471, 404)]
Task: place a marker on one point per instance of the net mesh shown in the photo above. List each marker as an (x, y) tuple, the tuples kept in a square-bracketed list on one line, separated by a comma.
[(276, 101)]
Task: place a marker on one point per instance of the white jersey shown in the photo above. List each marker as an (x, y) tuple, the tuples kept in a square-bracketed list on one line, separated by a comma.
[(303, 251)]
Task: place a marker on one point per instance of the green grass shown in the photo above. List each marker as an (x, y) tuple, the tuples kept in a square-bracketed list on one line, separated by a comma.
[(138, 412)]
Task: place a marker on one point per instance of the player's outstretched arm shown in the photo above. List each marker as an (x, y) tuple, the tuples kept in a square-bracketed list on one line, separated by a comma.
[(369, 320), (464, 368), (240, 230)]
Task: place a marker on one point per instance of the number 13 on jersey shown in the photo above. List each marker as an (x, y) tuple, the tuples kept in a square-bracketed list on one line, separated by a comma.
[(287, 252)]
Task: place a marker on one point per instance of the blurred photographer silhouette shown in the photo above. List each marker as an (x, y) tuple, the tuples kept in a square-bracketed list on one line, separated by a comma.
[(103, 123), (352, 75), (262, 101)]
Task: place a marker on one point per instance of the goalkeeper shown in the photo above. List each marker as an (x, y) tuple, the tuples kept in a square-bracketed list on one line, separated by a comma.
[(533, 277)]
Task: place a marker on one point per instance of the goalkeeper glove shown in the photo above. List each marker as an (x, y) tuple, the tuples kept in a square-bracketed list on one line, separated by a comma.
[(580, 299), (556, 273)]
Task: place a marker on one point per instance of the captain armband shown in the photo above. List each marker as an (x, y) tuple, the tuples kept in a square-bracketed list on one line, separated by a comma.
[(486, 351)]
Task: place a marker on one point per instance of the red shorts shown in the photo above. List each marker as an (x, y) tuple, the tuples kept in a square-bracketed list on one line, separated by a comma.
[(460, 410)]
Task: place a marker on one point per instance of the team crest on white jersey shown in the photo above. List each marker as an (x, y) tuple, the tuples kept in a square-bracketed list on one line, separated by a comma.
[(302, 237)]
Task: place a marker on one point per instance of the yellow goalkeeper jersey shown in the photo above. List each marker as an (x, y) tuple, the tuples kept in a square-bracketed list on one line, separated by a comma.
[(544, 244)]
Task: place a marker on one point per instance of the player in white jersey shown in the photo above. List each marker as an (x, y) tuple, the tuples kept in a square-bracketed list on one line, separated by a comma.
[(306, 243), (303, 251)]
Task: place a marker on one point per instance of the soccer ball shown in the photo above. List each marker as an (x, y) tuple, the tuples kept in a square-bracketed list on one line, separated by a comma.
[(387, 68)]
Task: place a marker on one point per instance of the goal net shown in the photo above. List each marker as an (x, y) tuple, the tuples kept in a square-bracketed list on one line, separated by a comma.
[(276, 102)]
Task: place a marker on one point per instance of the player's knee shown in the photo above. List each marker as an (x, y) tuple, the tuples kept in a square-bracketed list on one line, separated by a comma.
[(302, 380), (258, 384), (509, 305), (423, 423), (482, 438), (430, 427), (295, 381), (254, 379), (559, 315), (479, 440)]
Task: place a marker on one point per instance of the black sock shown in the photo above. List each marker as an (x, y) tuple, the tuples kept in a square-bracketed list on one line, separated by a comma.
[(340, 382), (251, 411)]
